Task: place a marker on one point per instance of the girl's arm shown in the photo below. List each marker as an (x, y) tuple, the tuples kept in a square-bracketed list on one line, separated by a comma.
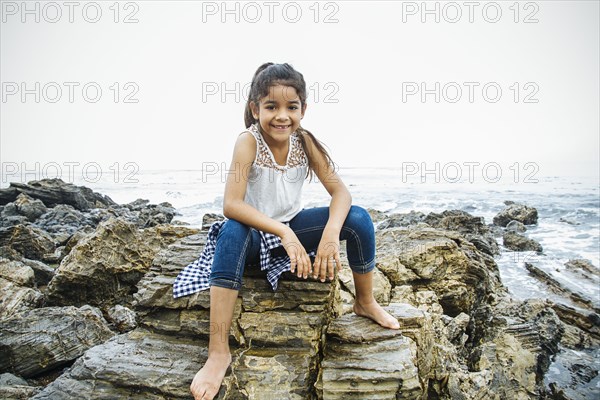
[(340, 204), (234, 206)]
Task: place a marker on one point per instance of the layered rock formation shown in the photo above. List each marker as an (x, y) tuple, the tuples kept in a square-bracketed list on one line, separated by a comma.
[(101, 323)]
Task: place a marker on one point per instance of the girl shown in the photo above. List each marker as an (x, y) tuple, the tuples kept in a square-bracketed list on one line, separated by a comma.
[(265, 221)]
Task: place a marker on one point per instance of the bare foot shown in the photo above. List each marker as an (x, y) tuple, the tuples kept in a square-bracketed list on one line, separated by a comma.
[(374, 311), (207, 382)]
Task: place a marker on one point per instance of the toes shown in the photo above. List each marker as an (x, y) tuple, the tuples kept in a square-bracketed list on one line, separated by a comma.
[(210, 393)]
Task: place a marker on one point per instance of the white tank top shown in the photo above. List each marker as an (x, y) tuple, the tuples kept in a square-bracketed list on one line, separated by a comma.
[(273, 189)]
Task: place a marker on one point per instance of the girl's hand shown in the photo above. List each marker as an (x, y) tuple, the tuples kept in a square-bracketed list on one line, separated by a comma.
[(328, 255), (298, 256)]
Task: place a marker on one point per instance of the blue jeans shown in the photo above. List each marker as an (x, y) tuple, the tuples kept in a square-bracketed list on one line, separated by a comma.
[(238, 244)]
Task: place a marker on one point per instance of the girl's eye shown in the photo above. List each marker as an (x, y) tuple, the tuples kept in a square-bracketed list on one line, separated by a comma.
[(293, 108)]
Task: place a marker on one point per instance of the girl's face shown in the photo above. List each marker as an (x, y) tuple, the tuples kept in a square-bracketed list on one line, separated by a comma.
[(279, 113)]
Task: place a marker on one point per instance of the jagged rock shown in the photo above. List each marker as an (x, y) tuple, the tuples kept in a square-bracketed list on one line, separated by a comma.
[(64, 219), (578, 296), (8, 379), (31, 242), (517, 242), (122, 317), (376, 215), (38, 340), (457, 220), (276, 331), (9, 210), (263, 373), (15, 388), (584, 268), (471, 227), (573, 375), (516, 226), (137, 365), (589, 322), (55, 191), (442, 261), (364, 360), (518, 212), (402, 220), (457, 328), (103, 268), (517, 346), (76, 238), (43, 273), (9, 216), (149, 215), (15, 298), (16, 272), (209, 218), (28, 207)]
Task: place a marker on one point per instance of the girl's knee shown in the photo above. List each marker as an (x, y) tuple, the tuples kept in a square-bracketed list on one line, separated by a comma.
[(233, 228), (358, 216)]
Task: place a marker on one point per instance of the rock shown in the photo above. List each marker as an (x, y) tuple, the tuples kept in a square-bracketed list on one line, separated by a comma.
[(457, 328), (441, 261), (123, 318), (402, 220), (31, 242), (572, 375), (149, 215), (54, 191), (589, 322), (42, 273), (517, 347), (16, 272), (516, 226), (279, 331), (39, 340), (517, 242), (471, 227), (9, 210), (64, 219), (260, 373), (584, 268), (8, 379), (137, 365), (15, 388), (518, 212), (15, 298), (578, 296), (209, 218), (103, 268), (376, 215), (364, 360), (9, 216), (28, 207)]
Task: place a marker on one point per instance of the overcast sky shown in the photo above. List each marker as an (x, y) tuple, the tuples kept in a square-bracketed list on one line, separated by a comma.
[(514, 83)]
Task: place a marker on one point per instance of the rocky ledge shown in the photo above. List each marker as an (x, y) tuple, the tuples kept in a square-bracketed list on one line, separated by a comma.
[(87, 311)]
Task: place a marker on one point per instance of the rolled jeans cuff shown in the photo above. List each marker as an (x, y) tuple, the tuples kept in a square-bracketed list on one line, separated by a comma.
[(365, 268), (225, 283)]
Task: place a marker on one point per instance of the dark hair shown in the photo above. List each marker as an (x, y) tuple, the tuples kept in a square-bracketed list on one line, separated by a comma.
[(270, 74)]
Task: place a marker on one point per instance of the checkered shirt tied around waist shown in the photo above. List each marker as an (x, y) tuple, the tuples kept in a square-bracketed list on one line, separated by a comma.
[(195, 276)]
